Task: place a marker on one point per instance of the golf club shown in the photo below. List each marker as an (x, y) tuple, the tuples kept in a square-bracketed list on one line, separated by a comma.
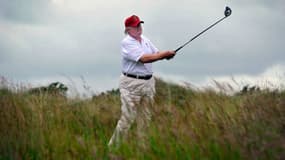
[(227, 13)]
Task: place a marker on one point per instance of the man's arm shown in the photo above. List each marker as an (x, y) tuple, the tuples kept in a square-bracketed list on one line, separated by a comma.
[(149, 58)]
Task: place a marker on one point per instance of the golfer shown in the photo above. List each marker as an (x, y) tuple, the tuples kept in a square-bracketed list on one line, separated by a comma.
[(137, 84)]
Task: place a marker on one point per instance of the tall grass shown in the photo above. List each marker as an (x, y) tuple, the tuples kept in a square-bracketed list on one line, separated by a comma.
[(186, 124)]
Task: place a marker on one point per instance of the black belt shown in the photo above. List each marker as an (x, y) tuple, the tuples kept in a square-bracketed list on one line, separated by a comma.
[(146, 77)]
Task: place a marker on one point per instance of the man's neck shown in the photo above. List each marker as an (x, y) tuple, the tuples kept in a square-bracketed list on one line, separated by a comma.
[(138, 38)]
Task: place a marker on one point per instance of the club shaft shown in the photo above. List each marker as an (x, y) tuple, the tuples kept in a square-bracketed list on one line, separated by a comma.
[(200, 34)]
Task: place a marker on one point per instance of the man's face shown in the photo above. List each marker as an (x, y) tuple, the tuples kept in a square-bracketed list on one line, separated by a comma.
[(135, 31)]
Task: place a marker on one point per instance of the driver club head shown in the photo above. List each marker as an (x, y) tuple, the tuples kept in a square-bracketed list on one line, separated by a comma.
[(228, 11)]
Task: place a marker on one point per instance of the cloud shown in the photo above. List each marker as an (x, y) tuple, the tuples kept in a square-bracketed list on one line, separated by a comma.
[(271, 78), (43, 39), (72, 50), (28, 11)]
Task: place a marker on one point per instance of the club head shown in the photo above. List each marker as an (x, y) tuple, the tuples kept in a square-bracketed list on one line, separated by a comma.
[(228, 11)]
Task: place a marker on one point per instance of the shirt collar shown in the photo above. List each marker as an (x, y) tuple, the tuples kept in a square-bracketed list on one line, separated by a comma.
[(133, 39)]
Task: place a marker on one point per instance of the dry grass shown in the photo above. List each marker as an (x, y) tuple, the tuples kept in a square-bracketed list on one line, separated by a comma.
[(186, 124)]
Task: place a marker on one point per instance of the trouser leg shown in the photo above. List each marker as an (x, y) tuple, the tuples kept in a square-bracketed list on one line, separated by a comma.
[(128, 115), (144, 114), (144, 117)]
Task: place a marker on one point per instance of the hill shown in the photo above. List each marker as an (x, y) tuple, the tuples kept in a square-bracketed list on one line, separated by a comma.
[(186, 124)]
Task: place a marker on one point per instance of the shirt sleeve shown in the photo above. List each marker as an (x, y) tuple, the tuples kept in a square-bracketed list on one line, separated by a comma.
[(131, 51), (153, 48)]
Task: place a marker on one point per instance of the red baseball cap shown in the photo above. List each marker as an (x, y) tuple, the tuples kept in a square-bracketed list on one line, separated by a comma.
[(133, 21)]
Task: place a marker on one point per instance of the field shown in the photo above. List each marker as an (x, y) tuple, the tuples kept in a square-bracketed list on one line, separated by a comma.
[(186, 124)]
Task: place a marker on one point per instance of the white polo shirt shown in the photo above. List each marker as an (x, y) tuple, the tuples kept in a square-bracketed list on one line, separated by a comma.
[(132, 50)]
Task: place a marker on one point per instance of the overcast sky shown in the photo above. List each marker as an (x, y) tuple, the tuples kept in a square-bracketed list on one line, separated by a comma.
[(78, 42)]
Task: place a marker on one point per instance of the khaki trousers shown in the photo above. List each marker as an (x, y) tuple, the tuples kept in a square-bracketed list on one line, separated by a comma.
[(136, 97)]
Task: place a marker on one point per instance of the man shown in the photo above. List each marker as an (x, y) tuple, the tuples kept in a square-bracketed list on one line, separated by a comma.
[(137, 85)]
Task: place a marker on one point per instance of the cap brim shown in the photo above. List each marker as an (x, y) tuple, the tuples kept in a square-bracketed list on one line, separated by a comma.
[(139, 23)]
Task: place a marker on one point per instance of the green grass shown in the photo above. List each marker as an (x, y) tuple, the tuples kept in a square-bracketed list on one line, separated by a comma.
[(186, 124)]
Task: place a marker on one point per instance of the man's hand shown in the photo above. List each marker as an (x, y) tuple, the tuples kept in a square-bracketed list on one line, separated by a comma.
[(170, 55)]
